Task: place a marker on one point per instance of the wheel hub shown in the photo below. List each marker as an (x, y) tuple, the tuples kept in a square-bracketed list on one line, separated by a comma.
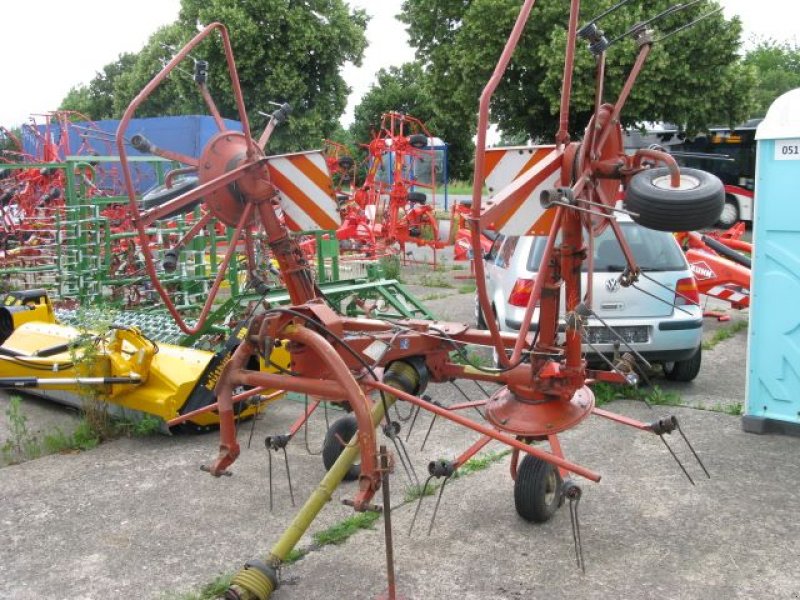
[(226, 151)]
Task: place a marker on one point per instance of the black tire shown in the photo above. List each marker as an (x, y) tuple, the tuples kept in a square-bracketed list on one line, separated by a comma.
[(480, 322), (344, 428), (417, 198), (160, 194), (730, 213), (537, 490), (684, 370), (695, 205), (346, 163), (418, 140)]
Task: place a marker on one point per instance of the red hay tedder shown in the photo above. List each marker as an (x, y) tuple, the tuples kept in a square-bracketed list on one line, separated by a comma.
[(369, 364)]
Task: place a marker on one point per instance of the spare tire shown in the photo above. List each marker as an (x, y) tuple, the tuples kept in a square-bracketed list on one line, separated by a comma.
[(417, 198), (161, 193), (346, 163), (418, 140), (696, 204)]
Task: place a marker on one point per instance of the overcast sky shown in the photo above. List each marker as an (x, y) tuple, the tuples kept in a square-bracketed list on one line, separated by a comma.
[(51, 45)]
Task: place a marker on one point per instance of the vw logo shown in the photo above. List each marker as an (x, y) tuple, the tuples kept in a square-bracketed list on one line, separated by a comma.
[(612, 285)]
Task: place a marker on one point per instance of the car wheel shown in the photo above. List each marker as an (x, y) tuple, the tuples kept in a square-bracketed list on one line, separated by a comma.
[(537, 490), (684, 370), (418, 140), (695, 204), (341, 430), (730, 213), (480, 322)]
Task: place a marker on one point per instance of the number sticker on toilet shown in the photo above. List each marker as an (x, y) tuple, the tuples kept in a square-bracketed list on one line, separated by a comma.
[(787, 149)]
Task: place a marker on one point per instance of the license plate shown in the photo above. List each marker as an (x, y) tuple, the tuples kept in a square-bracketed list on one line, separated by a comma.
[(633, 334)]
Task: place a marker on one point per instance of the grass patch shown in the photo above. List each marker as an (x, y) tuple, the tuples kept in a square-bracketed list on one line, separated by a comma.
[(607, 392), (434, 296), (210, 591), (467, 288), (23, 444), (435, 279), (470, 358), (341, 531), (390, 267), (724, 333), (294, 555)]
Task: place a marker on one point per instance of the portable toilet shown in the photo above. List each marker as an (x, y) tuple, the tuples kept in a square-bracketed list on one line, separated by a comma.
[(773, 350)]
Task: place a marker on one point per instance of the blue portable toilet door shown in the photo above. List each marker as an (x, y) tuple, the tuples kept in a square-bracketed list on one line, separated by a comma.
[(773, 378)]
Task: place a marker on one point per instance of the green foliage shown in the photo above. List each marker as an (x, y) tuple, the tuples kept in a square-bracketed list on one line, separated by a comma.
[(777, 70), (434, 279), (390, 266), (285, 52), (724, 333), (692, 79), (22, 444), (341, 531), (96, 99), (294, 555), (210, 591), (607, 392), (467, 288)]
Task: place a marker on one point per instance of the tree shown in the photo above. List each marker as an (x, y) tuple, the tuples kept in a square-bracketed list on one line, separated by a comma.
[(685, 79), (96, 99), (777, 70), (285, 52)]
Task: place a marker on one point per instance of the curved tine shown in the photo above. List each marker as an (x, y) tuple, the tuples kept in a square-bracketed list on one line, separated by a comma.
[(422, 495), (438, 501)]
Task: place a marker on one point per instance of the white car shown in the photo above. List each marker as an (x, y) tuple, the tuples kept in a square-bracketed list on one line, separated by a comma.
[(663, 323)]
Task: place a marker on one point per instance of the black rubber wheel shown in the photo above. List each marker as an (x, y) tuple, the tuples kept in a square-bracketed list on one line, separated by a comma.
[(730, 213), (480, 322), (696, 204), (417, 198), (161, 194), (344, 428), (418, 140), (346, 163), (684, 370), (537, 490)]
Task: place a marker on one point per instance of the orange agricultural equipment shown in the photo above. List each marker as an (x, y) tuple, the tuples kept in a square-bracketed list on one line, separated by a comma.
[(367, 364)]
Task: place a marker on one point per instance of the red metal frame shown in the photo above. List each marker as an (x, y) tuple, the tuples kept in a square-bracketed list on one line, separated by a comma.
[(538, 398)]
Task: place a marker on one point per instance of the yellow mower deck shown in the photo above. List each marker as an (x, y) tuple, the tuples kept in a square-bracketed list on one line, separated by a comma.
[(167, 380)]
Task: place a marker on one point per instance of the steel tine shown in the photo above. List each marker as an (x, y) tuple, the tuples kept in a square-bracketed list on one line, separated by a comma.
[(269, 476), (430, 427), (288, 474), (413, 422), (688, 443), (677, 460), (419, 503), (402, 450), (253, 427), (438, 500)]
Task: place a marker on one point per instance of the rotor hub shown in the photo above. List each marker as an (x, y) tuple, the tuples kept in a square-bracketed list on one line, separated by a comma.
[(520, 416), (226, 151)]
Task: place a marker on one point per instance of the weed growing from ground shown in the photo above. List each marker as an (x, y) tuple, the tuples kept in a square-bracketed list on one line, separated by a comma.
[(724, 333)]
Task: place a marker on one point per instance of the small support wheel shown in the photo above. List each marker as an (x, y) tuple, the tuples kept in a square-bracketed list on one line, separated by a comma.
[(418, 140), (696, 203), (341, 430), (537, 490), (161, 194)]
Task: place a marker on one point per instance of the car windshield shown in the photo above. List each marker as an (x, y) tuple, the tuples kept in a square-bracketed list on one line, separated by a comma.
[(653, 250)]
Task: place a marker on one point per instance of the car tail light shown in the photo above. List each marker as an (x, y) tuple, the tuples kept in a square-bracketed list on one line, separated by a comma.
[(686, 292), (521, 293)]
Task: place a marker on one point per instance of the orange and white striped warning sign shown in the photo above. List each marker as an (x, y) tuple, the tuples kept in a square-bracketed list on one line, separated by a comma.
[(514, 177), (306, 190)]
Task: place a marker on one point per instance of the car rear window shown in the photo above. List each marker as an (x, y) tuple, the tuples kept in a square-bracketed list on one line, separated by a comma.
[(653, 250)]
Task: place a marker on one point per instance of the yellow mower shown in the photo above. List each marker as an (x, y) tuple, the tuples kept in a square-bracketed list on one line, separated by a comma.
[(121, 366)]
